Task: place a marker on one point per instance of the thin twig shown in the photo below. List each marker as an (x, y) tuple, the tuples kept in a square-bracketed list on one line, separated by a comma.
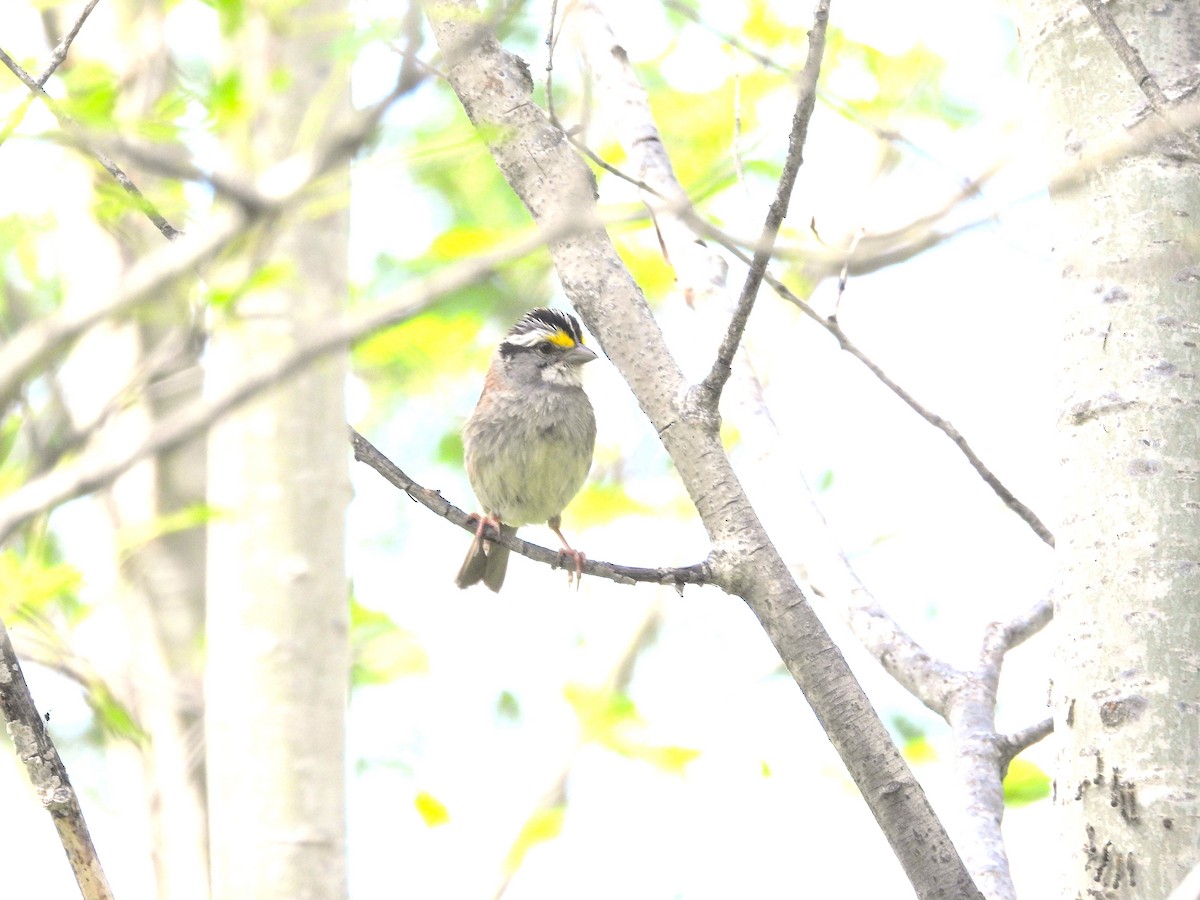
[(832, 326), (277, 188), (1017, 631), (68, 124), (412, 35), (837, 104), (947, 428), (60, 52), (1145, 81), (1011, 745), (722, 368), (432, 500), (95, 467), (551, 43)]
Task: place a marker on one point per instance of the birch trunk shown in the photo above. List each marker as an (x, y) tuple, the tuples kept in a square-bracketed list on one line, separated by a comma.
[(1127, 680), (278, 658)]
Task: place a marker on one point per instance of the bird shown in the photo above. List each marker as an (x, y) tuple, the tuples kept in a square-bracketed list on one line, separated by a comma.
[(529, 442)]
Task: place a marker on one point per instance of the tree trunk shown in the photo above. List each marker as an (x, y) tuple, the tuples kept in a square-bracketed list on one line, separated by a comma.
[(159, 601), (1126, 680), (278, 658)]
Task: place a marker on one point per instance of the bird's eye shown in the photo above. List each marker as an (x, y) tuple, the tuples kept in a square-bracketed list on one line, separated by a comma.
[(545, 349)]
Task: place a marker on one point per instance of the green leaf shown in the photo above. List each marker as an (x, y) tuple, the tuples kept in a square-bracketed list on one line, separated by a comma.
[(601, 712), (907, 728), (450, 449), (601, 502), (763, 27), (907, 84), (507, 706), (225, 101), (91, 94), (30, 583), (467, 240), (609, 718), (668, 758), (231, 14), (1025, 783), (193, 516), (382, 650), (423, 348), (731, 435), (112, 717), (266, 277), (10, 429), (643, 257), (543, 825), (431, 809), (162, 124), (919, 750)]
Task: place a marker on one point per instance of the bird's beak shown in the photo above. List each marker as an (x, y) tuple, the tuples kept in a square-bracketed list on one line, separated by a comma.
[(579, 354)]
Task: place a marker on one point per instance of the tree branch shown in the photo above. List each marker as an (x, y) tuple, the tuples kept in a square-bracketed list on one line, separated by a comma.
[(274, 191), (701, 276), (365, 452), (60, 51), (1145, 81), (48, 774), (71, 127), (981, 755), (1011, 745), (1007, 497), (722, 368), (96, 466), (554, 183)]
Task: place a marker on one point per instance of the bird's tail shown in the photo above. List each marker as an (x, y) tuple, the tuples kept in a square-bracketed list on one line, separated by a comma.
[(486, 562)]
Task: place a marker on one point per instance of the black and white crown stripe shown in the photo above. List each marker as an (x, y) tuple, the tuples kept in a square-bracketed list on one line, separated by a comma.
[(538, 324)]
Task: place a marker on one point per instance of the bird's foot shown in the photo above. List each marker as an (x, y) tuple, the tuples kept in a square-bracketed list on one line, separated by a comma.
[(575, 572), (482, 522)]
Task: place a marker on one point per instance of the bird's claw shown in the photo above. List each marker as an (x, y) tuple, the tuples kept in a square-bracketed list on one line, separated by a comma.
[(575, 573)]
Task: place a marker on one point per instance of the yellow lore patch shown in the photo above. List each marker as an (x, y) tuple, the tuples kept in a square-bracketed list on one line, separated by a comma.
[(561, 339)]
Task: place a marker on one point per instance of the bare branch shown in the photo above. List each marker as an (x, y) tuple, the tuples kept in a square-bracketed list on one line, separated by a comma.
[(701, 274), (280, 186), (722, 368), (830, 324), (48, 774), (1011, 745), (30, 347), (410, 74), (432, 500), (1145, 81), (496, 91), (551, 45), (69, 125), (981, 755), (999, 639), (60, 52), (95, 467)]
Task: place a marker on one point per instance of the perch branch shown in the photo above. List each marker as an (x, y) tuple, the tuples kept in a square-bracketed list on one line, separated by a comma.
[(365, 452)]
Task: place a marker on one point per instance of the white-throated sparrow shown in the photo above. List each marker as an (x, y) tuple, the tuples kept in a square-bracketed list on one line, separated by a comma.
[(528, 444)]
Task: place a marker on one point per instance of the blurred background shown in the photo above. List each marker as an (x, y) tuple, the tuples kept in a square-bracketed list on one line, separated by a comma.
[(548, 742)]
